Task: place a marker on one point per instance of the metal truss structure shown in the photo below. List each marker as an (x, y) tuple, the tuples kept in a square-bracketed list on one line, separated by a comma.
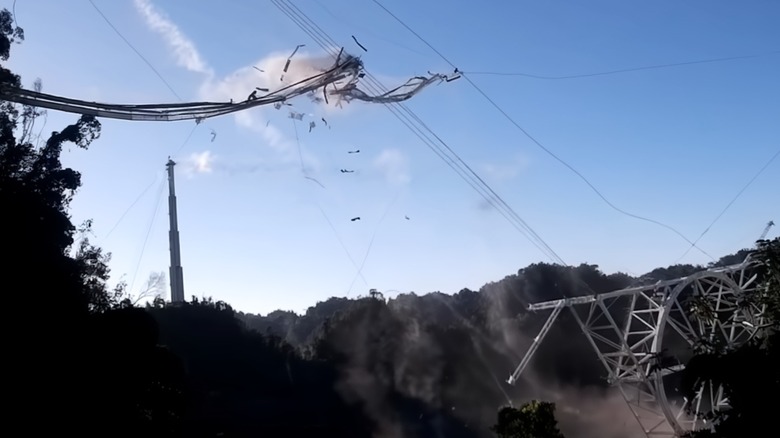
[(644, 335), (345, 70), (342, 78)]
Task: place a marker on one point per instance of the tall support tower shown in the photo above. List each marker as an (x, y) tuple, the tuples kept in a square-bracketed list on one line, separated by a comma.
[(176, 272)]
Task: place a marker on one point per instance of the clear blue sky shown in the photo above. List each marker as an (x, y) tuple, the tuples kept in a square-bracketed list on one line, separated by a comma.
[(673, 144)]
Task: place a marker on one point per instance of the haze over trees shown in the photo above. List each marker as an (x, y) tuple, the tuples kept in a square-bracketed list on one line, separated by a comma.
[(86, 360)]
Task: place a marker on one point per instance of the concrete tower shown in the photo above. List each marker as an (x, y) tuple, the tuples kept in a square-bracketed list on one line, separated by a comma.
[(176, 272)]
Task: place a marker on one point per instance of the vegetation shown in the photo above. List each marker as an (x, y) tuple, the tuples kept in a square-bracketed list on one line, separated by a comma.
[(749, 373), (91, 363), (533, 420)]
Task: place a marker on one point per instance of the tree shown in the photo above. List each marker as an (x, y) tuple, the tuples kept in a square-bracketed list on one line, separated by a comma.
[(153, 289), (86, 362), (748, 373), (534, 419)]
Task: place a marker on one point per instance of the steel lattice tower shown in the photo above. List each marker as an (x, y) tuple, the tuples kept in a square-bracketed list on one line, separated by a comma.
[(643, 336)]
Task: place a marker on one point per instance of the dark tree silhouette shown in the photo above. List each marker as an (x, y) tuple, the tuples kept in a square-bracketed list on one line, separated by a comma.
[(533, 420), (242, 383), (84, 364), (84, 360)]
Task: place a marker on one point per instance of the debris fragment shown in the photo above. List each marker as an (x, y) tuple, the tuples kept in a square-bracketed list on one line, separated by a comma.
[(355, 219), (358, 43), (357, 151), (312, 125), (347, 171), (264, 90), (213, 135), (289, 58), (296, 116), (452, 78), (261, 71), (316, 99), (296, 50), (405, 91), (406, 217), (315, 181), (252, 95)]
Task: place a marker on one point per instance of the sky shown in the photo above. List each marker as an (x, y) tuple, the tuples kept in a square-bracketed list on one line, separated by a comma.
[(672, 144)]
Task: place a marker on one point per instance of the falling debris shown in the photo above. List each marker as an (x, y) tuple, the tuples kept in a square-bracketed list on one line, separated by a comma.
[(400, 93), (406, 217), (267, 123), (325, 122), (213, 135), (357, 151), (340, 81), (261, 71), (314, 181), (289, 58), (317, 99), (355, 219), (455, 75), (347, 171), (296, 116), (312, 125), (358, 43), (252, 95), (264, 90)]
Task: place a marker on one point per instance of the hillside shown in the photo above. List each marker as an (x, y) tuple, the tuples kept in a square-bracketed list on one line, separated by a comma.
[(456, 351), (94, 363)]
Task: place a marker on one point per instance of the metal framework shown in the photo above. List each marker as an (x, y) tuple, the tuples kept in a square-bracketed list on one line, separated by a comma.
[(342, 78), (644, 335), (345, 70)]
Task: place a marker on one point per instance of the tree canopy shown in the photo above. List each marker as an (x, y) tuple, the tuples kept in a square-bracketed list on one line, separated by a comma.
[(534, 419), (749, 373), (93, 363)]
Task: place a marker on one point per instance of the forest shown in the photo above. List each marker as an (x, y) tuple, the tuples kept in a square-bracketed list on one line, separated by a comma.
[(86, 360)]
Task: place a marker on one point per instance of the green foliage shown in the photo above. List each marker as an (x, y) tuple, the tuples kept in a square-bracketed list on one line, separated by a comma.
[(39, 189), (89, 364), (244, 383), (534, 419), (749, 373), (93, 364), (10, 33)]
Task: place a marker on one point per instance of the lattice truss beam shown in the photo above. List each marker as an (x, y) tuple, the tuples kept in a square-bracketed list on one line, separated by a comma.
[(643, 336), (340, 81)]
